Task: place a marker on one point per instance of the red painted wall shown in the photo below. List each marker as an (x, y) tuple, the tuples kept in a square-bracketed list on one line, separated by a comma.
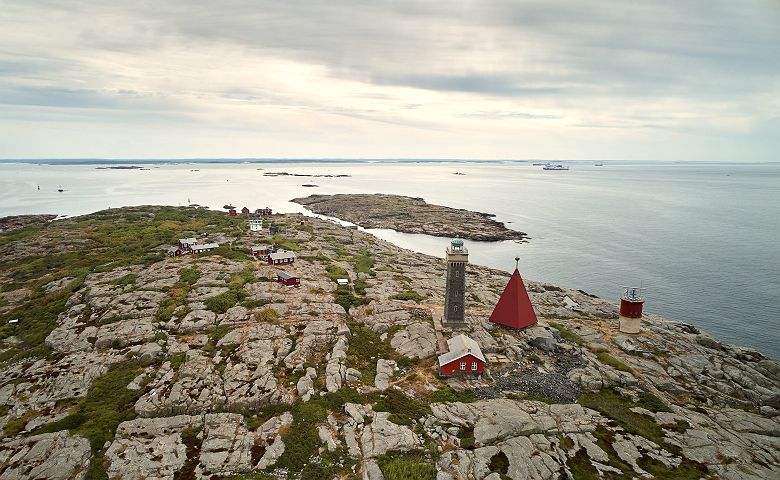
[(454, 366), (630, 309)]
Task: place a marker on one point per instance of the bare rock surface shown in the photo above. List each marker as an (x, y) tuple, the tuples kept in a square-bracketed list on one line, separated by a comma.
[(409, 215), (56, 456), (222, 389)]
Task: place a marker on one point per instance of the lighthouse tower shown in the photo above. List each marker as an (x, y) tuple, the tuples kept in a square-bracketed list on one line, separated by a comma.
[(631, 303), (454, 295)]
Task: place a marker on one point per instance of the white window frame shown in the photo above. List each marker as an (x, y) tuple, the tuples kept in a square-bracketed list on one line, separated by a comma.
[(463, 365), (473, 366)]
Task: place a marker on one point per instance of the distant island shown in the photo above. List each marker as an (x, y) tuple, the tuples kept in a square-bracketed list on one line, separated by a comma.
[(122, 167), (409, 215)]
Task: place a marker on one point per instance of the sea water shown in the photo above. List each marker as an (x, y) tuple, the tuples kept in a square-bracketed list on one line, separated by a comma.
[(701, 239)]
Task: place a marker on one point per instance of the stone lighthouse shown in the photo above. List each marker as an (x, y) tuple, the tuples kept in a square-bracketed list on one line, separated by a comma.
[(454, 295)]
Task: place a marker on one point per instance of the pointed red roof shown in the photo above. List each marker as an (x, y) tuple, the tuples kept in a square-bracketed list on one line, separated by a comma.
[(514, 308)]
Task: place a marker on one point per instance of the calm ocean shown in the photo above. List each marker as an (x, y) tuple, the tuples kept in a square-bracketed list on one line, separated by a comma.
[(702, 239)]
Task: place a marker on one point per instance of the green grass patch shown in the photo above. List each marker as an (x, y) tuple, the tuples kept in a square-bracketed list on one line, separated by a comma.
[(365, 347), (447, 394), (360, 286), (409, 466), (364, 263), (37, 318), (222, 302), (581, 468), (408, 295), (335, 272), (226, 250), (615, 406), (286, 243), (567, 334), (613, 362), (107, 404), (16, 425), (499, 463), (403, 409), (189, 275), (650, 402), (267, 315), (128, 279), (344, 297), (301, 440)]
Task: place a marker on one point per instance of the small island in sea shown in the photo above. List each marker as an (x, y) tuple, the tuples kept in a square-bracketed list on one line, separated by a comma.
[(409, 215), (163, 342)]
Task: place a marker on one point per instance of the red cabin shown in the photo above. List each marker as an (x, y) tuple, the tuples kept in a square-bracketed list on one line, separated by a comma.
[(282, 257), (287, 279), (232, 212), (261, 251), (245, 211), (464, 357)]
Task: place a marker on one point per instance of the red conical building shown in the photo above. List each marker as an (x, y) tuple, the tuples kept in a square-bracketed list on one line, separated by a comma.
[(514, 309)]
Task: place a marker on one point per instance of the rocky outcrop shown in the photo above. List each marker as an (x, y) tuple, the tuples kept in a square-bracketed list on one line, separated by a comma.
[(56, 456), (409, 215), (715, 406), (418, 340), (383, 436), (384, 372)]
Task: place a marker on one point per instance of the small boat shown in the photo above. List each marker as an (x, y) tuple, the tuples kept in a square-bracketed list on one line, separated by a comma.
[(60, 189), (556, 166), (598, 164)]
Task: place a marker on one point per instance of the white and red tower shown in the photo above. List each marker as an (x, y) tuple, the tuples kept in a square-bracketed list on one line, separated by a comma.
[(631, 303)]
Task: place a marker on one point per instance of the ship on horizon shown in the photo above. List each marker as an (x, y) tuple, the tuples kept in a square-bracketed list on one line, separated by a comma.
[(554, 166)]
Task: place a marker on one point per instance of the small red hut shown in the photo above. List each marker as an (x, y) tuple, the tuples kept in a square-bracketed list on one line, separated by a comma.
[(261, 251), (232, 212), (245, 211), (287, 279), (281, 257), (514, 309), (464, 357)]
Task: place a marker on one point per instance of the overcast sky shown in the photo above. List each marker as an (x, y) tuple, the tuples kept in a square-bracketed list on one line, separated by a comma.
[(667, 80)]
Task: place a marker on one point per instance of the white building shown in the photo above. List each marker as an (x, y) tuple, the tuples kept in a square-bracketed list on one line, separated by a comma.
[(203, 247), (255, 224)]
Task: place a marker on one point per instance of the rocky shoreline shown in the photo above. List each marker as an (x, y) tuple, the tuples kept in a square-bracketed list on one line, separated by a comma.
[(128, 364), (16, 222), (409, 215)]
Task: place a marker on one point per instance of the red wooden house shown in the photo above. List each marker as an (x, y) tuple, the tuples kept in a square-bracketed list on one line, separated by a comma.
[(232, 212), (282, 257), (464, 357), (261, 251), (287, 279), (514, 309), (245, 211)]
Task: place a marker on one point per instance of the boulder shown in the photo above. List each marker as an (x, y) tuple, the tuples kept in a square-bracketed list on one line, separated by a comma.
[(384, 372)]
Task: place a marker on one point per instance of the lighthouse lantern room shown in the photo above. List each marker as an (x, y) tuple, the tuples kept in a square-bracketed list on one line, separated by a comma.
[(631, 303)]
